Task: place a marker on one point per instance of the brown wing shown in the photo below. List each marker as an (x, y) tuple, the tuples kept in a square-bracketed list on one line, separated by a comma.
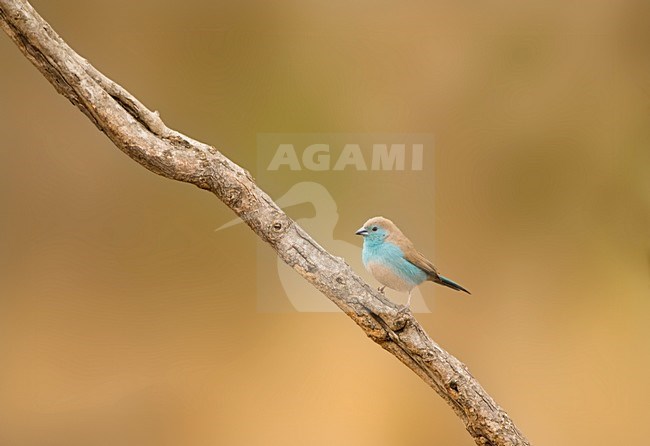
[(416, 258), (413, 255)]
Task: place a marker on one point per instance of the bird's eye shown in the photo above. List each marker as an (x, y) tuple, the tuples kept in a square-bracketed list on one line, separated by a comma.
[(374, 228)]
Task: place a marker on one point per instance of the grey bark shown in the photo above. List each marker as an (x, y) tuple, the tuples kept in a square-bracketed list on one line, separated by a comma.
[(141, 134)]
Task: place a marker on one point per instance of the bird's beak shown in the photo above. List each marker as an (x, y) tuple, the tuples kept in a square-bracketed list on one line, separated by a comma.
[(362, 231)]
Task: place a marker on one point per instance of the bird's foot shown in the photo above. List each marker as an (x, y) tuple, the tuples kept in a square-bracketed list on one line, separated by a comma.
[(381, 289), (408, 301)]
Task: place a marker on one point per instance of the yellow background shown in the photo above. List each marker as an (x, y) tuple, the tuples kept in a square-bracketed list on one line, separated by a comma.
[(125, 319)]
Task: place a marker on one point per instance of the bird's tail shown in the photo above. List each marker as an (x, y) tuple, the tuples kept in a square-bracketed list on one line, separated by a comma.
[(442, 280)]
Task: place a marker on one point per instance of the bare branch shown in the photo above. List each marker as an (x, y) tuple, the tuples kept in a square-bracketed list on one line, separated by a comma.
[(142, 135)]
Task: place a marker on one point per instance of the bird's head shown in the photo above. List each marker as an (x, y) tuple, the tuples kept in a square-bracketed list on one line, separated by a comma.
[(376, 230)]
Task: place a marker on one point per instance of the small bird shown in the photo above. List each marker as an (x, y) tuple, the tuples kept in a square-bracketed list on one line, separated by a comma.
[(393, 260)]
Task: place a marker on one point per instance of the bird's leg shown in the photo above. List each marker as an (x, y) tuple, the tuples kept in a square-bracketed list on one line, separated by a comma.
[(381, 289), (408, 301)]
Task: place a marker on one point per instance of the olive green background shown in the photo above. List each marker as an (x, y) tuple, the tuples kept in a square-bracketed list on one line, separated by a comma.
[(125, 319)]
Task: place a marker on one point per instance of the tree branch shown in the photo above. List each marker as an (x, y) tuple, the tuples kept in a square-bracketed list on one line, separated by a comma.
[(142, 135)]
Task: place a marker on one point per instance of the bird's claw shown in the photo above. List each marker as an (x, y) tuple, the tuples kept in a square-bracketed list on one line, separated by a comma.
[(381, 289)]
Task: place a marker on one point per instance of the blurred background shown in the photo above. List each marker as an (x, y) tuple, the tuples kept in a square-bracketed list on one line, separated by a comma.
[(125, 319)]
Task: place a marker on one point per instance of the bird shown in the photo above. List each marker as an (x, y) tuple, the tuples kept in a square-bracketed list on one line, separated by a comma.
[(393, 260), (320, 223)]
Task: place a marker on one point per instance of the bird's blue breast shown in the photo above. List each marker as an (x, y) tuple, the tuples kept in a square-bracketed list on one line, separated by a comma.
[(391, 256)]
